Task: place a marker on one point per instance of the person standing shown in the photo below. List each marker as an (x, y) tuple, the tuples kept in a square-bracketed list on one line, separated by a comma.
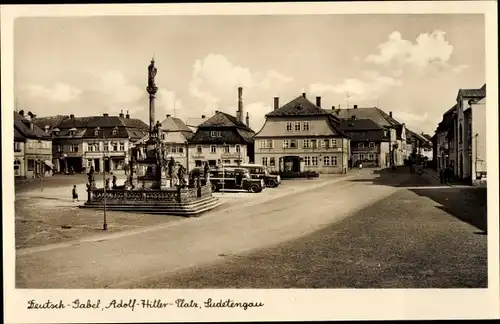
[(75, 194)]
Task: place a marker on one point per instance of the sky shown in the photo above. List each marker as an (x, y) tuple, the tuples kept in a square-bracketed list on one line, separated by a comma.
[(410, 65)]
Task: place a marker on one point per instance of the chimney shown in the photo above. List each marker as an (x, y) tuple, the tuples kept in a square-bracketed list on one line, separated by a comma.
[(333, 107), (71, 116), (248, 120), (276, 102), (318, 101), (21, 112), (168, 115), (127, 115), (47, 128), (355, 107), (303, 94), (203, 116), (216, 111), (121, 113), (239, 113), (105, 114), (390, 114), (32, 125)]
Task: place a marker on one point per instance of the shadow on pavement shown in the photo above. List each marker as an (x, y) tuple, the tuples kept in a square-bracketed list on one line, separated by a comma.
[(399, 177), (466, 204)]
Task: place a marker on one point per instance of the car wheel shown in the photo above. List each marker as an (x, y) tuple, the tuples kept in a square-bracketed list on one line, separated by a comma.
[(272, 184), (254, 189), (214, 188)]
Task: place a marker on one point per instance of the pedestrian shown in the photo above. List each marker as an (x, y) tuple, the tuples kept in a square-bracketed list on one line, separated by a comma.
[(75, 194)]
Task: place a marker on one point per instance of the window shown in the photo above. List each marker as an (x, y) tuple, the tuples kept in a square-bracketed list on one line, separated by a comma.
[(460, 134), (199, 150), (324, 143), (73, 148), (307, 160), (105, 144), (174, 149), (372, 144), (314, 144), (305, 126), (30, 144), (286, 144), (307, 143), (115, 146), (226, 161), (59, 148), (334, 160), (96, 132), (361, 156), (197, 163), (226, 148), (266, 144), (385, 133), (122, 146), (297, 126), (115, 131), (361, 145), (272, 162), (213, 148), (333, 142), (264, 161), (163, 137), (293, 143), (17, 167), (180, 149), (31, 165), (370, 157), (326, 161), (238, 148), (17, 147), (215, 134), (288, 126), (314, 160)]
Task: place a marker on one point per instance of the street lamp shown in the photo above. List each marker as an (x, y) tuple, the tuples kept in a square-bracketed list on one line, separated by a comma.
[(105, 224)]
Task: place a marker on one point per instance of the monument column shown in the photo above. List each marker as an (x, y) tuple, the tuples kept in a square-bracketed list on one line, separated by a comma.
[(152, 89)]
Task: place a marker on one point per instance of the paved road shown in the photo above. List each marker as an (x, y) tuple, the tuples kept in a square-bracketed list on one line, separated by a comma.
[(141, 258), (122, 259)]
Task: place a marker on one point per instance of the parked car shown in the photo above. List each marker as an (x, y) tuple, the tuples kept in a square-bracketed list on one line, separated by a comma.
[(258, 171), (234, 178)]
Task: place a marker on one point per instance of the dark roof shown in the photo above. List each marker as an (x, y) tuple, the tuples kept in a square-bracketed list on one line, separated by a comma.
[(473, 93), (18, 136), (221, 119), (23, 128), (299, 106), (359, 125), (228, 136), (375, 114), (84, 126)]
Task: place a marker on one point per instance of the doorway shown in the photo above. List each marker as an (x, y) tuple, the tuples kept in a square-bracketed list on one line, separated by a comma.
[(97, 165), (106, 165), (291, 163)]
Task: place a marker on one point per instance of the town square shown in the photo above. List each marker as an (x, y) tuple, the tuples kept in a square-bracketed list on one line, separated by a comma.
[(257, 157)]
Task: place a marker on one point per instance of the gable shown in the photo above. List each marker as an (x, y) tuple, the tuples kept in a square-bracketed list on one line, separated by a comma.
[(299, 106)]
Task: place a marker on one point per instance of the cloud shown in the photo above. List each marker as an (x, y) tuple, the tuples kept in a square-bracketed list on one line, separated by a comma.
[(115, 90), (257, 112), (459, 69), (427, 51), (168, 103), (214, 77), (60, 92), (371, 86)]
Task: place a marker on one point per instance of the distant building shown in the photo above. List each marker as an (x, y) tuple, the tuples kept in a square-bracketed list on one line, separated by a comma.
[(394, 147), (222, 138), (367, 142), (174, 135), (32, 148), (301, 136), (419, 144), (82, 142), (445, 139)]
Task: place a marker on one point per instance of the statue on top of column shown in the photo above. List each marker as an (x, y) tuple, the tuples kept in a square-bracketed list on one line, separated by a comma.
[(152, 70)]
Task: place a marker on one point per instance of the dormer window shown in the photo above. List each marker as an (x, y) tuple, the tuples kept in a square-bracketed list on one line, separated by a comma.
[(96, 132), (115, 130), (72, 131), (215, 134)]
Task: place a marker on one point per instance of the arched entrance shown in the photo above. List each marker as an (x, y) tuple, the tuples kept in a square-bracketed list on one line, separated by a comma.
[(291, 164)]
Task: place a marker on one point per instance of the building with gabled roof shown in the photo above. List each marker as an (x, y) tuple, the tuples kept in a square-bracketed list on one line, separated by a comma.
[(32, 148), (369, 142), (396, 147), (101, 142), (222, 138), (301, 136)]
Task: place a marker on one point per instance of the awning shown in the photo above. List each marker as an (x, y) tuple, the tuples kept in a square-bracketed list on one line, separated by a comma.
[(49, 163)]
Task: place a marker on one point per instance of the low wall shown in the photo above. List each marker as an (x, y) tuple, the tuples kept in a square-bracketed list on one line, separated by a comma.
[(131, 197)]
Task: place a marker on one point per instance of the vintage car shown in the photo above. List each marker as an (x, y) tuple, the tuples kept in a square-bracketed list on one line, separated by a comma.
[(234, 178), (258, 171)]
